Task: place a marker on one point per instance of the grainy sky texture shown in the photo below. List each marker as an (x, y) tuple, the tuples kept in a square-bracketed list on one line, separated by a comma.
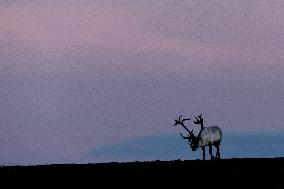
[(85, 81)]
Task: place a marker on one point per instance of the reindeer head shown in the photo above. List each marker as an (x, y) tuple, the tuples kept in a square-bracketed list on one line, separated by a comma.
[(192, 140), (194, 143)]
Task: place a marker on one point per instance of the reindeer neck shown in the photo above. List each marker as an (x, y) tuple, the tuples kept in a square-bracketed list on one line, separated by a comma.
[(200, 130)]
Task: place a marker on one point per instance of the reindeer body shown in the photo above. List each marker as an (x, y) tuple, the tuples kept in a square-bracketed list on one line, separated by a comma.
[(209, 136)]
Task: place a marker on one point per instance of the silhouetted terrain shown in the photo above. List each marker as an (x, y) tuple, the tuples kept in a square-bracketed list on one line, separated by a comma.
[(226, 173)]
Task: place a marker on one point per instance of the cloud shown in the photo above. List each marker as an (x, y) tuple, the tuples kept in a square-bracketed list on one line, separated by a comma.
[(58, 36), (173, 147), (148, 148), (45, 34)]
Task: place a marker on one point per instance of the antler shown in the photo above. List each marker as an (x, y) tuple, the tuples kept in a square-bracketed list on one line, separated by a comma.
[(185, 119), (179, 117), (180, 122), (189, 136), (199, 120), (183, 136)]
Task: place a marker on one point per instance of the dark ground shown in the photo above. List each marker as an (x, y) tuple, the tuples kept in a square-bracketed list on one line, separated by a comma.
[(227, 173)]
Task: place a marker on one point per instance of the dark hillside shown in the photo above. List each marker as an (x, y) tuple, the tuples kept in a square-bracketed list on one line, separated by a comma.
[(227, 173)]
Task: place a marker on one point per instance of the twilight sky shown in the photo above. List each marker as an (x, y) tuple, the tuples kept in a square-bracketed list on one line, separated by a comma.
[(99, 81)]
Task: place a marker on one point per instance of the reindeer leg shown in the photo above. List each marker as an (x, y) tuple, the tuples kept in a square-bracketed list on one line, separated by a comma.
[(218, 150), (203, 150), (210, 151)]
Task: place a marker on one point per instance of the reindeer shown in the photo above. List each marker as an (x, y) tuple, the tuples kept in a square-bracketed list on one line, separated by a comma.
[(207, 136)]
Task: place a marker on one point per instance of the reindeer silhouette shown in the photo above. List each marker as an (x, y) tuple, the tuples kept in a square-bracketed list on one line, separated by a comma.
[(207, 136)]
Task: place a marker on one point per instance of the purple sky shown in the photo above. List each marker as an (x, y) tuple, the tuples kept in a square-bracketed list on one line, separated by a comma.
[(78, 76)]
